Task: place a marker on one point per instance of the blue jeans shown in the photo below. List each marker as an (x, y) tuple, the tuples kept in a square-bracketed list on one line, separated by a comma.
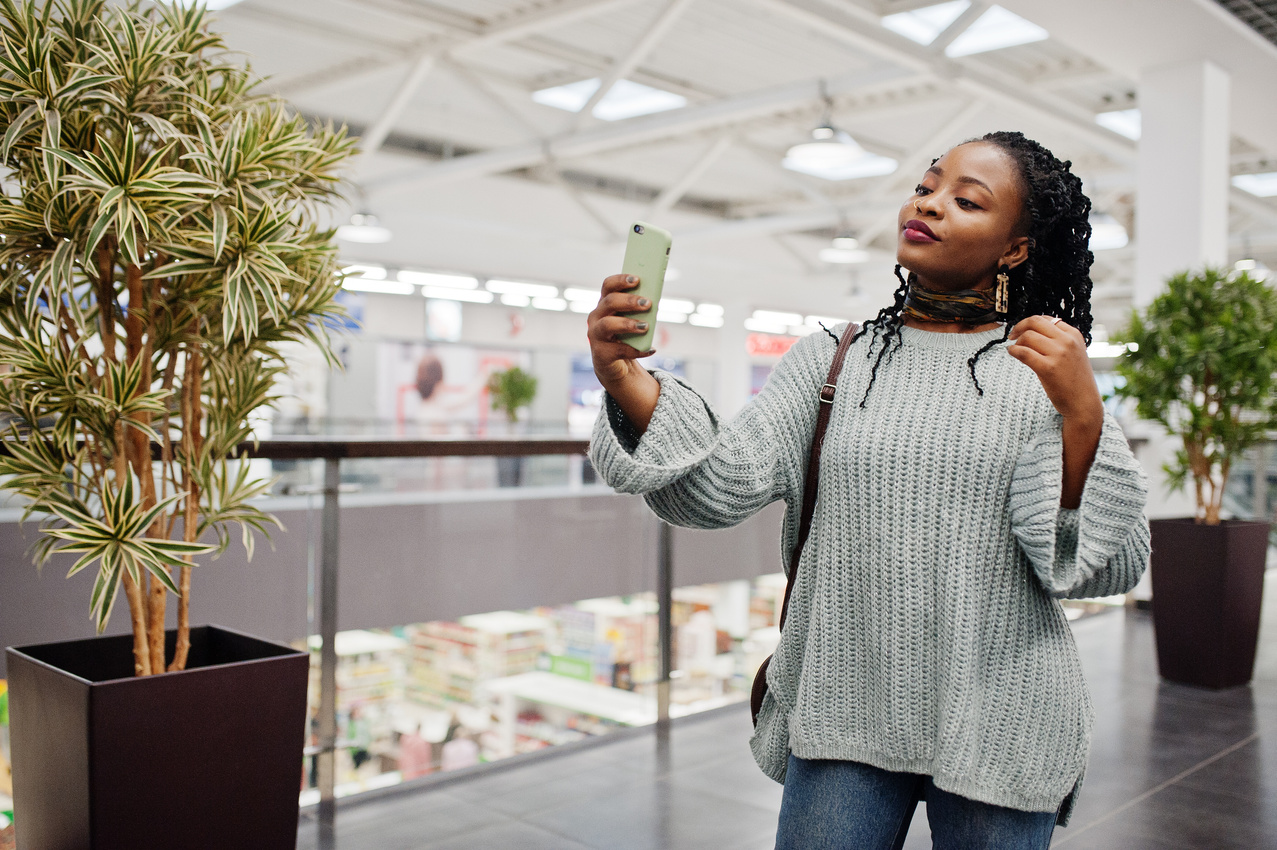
[(846, 805)]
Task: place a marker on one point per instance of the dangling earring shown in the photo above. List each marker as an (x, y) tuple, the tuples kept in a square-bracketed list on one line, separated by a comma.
[(1001, 298)]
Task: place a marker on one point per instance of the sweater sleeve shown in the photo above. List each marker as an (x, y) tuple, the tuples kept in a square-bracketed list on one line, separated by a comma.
[(697, 471), (1101, 548)]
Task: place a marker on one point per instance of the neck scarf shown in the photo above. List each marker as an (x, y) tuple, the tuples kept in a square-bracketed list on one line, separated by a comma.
[(968, 306)]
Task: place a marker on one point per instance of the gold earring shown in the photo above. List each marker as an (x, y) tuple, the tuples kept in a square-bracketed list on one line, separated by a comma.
[(1001, 301)]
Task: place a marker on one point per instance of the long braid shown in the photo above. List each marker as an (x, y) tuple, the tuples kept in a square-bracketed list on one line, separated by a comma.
[(1055, 280)]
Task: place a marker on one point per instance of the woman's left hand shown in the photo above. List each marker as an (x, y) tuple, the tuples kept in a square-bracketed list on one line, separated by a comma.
[(1056, 352)]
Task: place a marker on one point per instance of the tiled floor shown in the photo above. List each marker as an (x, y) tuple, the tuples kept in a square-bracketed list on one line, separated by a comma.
[(1172, 768)]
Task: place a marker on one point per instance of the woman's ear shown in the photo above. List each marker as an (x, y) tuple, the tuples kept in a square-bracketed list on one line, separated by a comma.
[(1016, 253)]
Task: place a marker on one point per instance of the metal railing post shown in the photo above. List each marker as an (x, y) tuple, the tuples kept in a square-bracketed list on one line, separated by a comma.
[(328, 653), (665, 631)]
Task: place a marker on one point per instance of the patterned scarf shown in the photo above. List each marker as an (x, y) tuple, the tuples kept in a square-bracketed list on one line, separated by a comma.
[(968, 306)]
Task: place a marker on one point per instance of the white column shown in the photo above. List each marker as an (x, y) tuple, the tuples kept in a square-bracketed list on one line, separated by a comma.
[(733, 360), (1182, 182)]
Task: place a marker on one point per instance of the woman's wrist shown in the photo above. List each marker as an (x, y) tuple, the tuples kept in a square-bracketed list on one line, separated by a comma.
[(636, 394)]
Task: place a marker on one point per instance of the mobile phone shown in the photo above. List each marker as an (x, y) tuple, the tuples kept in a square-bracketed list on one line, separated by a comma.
[(647, 253)]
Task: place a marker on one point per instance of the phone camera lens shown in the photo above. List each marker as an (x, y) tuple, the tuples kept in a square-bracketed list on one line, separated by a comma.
[(638, 228)]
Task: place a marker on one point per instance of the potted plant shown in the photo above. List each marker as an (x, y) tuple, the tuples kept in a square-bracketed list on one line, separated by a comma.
[(1204, 367), (511, 390), (160, 246)]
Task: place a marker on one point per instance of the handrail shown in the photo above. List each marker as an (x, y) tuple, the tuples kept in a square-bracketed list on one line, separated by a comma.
[(306, 447)]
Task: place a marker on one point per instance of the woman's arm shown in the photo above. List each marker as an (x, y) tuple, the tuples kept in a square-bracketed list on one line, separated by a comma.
[(699, 472), (1099, 548)]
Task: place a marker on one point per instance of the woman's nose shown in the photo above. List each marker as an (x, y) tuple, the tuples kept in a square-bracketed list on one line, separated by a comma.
[(926, 206)]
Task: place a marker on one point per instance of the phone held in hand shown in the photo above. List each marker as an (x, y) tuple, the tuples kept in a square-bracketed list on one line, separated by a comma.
[(647, 253)]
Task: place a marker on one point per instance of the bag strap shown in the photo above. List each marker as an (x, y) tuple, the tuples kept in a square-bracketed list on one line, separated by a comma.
[(812, 478)]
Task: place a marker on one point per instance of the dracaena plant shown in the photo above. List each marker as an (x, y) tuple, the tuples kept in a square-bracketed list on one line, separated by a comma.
[(160, 247), (1204, 367)]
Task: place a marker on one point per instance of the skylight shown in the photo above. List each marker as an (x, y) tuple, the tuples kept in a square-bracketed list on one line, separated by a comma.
[(626, 99), (1107, 233), (923, 25), (994, 30), (1263, 185), (1125, 122)]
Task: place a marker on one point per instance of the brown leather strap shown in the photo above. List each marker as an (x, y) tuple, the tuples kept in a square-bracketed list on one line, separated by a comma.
[(811, 480)]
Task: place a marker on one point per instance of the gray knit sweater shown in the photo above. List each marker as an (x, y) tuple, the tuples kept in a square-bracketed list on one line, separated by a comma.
[(925, 632)]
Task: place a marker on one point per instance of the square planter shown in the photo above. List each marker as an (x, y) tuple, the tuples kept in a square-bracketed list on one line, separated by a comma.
[(1208, 586), (209, 757)]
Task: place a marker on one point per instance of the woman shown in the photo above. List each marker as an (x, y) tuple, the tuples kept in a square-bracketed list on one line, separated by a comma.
[(970, 479)]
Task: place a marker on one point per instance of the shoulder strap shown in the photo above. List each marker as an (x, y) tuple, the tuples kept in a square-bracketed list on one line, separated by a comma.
[(812, 477)]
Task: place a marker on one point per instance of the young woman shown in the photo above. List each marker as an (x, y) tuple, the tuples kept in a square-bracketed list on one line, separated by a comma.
[(970, 479)]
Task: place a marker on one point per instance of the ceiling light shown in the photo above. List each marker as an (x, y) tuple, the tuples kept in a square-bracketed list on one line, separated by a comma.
[(677, 305), (846, 242), (1124, 122), (836, 157), (626, 99), (367, 272), (841, 257), (575, 293), (516, 287), (447, 293), (762, 326), (1107, 233), (817, 321), (365, 228), (211, 5), (1254, 268), (367, 284), (549, 302), (669, 316), (923, 25), (994, 30), (776, 317), (1263, 185), (707, 309), (706, 321), (580, 306), (452, 281), (511, 299)]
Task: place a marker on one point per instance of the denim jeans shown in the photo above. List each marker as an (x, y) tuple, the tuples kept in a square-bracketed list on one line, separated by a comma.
[(846, 805)]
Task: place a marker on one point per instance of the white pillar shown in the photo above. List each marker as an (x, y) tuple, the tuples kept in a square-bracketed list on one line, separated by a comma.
[(733, 360), (1182, 181)]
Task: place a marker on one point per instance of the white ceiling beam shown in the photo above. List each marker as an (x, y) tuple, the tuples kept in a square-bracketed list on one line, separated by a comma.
[(673, 193), (456, 41), (691, 119), (960, 25), (637, 53), (375, 135)]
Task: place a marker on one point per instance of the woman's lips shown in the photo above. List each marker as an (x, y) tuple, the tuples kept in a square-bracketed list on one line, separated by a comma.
[(917, 231)]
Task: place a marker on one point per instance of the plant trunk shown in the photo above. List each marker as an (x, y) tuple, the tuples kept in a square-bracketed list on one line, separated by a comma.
[(192, 419), (137, 610)]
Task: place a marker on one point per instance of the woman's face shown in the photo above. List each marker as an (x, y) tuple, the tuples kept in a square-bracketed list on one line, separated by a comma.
[(962, 222)]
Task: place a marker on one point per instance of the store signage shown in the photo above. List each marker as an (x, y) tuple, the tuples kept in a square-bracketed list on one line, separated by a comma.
[(768, 345)]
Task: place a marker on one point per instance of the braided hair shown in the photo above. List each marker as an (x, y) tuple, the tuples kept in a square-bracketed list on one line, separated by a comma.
[(1055, 280)]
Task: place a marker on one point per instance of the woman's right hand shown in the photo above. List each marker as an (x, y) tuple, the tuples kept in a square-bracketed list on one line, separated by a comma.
[(616, 363)]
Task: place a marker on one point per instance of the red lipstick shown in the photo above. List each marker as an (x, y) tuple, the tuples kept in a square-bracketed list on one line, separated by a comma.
[(917, 231)]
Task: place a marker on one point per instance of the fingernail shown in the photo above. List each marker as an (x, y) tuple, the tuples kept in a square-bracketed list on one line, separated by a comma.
[(642, 326), (631, 279), (643, 302)]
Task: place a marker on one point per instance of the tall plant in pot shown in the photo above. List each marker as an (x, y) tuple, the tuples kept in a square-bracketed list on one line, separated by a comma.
[(161, 243), (1204, 367), (511, 390)]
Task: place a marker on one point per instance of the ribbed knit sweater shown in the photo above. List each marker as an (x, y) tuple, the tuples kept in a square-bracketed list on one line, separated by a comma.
[(925, 632)]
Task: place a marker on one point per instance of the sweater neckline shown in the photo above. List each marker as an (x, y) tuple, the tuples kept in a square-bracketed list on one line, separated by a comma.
[(938, 340)]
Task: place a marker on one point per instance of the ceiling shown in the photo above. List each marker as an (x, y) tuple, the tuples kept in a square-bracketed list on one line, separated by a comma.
[(472, 175)]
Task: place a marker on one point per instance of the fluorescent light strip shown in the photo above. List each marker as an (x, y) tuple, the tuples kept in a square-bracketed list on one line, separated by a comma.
[(762, 326), (775, 317), (677, 305), (517, 287), (670, 317), (452, 281), (511, 299), (385, 287), (449, 294), (704, 321), (707, 309), (546, 302), (573, 293), (366, 272)]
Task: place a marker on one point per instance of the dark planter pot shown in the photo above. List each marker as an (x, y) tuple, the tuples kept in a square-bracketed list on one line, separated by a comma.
[(1208, 584), (210, 757)]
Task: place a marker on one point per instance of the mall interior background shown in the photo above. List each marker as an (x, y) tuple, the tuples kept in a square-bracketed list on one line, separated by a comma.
[(507, 146)]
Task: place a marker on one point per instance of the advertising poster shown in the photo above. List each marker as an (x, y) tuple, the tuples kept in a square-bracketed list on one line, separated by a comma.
[(441, 389)]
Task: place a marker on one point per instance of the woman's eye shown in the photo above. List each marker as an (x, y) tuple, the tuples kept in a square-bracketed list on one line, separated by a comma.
[(965, 204), (921, 190)]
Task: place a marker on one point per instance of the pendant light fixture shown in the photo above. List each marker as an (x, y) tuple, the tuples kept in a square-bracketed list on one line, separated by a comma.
[(364, 227), (832, 154)]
